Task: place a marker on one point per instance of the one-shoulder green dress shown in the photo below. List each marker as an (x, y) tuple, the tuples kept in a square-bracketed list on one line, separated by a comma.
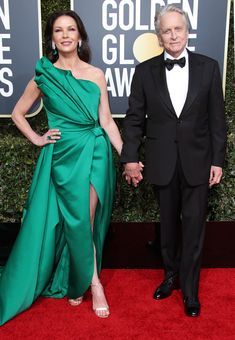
[(53, 254)]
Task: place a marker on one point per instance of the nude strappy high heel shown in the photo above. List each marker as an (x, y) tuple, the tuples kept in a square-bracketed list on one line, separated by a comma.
[(100, 309)]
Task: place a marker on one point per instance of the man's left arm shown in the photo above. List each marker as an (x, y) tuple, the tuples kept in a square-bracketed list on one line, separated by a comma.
[(217, 126)]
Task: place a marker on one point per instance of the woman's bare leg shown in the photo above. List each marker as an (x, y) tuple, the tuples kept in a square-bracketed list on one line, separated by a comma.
[(100, 304)]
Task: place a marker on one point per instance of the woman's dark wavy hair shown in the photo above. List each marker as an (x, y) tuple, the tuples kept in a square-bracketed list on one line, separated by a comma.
[(84, 51)]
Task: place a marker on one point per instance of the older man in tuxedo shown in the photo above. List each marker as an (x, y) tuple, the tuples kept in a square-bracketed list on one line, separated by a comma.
[(180, 93)]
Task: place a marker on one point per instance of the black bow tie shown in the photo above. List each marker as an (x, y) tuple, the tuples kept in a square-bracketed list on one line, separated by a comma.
[(169, 63)]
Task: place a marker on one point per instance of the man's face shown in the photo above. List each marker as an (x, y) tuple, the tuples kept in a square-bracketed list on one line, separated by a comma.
[(173, 33)]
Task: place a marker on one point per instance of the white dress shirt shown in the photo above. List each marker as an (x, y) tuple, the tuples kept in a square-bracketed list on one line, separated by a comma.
[(177, 82)]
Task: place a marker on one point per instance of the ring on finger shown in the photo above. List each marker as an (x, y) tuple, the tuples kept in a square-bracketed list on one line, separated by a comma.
[(48, 137)]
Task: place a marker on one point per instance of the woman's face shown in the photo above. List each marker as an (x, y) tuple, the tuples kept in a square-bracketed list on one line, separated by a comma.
[(65, 34)]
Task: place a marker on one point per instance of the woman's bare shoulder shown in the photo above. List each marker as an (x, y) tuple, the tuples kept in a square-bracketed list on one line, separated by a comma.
[(95, 71), (96, 75)]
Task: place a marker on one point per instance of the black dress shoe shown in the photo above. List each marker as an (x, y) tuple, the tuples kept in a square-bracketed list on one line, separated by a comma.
[(192, 306), (166, 287)]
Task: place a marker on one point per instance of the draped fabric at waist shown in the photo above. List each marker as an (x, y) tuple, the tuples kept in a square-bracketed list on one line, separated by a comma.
[(77, 144), (71, 127)]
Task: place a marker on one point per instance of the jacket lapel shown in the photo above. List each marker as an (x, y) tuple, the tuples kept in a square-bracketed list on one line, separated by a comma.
[(195, 73), (159, 77)]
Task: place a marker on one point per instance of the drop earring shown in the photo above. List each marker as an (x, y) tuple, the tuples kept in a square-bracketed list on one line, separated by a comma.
[(79, 45), (54, 49)]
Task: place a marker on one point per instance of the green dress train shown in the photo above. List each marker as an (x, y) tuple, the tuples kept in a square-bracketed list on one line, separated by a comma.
[(53, 254)]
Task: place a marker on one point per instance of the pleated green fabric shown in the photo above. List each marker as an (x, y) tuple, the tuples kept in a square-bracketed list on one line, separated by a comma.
[(53, 254)]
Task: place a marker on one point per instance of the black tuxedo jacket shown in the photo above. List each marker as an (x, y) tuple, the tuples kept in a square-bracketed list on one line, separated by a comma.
[(198, 136)]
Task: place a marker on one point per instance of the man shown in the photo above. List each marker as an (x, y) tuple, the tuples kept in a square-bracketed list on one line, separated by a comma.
[(180, 93)]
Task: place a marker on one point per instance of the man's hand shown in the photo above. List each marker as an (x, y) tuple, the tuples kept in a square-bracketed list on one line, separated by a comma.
[(133, 173), (215, 175)]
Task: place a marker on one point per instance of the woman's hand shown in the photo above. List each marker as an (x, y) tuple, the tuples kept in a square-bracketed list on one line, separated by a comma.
[(50, 137), (133, 173)]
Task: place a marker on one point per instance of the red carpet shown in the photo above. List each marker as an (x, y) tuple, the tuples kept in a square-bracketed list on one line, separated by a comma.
[(134, 313)]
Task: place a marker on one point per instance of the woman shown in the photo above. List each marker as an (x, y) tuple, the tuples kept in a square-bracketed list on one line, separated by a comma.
[(59, 247)]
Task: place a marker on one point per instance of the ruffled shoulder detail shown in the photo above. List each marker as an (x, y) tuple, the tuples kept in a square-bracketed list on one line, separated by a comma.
[(42, 66)]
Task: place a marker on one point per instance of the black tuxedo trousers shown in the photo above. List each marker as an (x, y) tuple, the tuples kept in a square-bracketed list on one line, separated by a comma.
[(182, 222)]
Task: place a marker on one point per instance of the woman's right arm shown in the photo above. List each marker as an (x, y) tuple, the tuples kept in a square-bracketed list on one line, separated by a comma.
[(29, 97)]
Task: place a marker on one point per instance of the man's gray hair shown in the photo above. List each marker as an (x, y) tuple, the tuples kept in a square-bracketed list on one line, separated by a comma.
[(168, 9)]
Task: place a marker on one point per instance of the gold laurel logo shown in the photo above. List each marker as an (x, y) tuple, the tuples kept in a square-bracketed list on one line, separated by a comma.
[(146, 46)]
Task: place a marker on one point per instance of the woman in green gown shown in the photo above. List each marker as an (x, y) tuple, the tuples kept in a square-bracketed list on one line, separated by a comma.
[(59, 247)]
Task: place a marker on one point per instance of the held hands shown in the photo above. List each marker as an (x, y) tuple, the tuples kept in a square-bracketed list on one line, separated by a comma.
[(49, 137), (215, 175), (133, 173)]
